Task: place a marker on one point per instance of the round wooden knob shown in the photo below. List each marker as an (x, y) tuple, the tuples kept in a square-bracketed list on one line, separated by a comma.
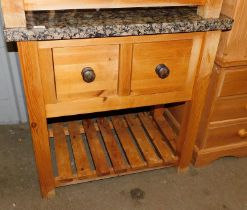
[(242, 133), (162, 71), (88, 74)]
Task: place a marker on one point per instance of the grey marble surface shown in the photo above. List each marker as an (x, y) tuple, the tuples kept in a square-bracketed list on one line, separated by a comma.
[(72, 24)]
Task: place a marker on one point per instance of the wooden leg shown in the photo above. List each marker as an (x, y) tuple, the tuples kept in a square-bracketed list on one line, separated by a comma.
[(28, 53), (211, 9), (190, 127)]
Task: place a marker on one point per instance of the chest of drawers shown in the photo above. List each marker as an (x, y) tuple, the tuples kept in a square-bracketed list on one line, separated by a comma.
[(84, 72), (222, 130)]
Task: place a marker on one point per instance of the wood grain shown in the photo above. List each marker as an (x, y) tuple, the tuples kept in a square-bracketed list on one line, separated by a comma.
[(130, 149), (92, 4), (232, 48), (100, 104), (196, 106), (228, 108), (47, 75), (142, 140), (146, 56), (235, 81), (28, 54), (211, 9), (116, 157), (206, 156), (157, 139), (13, 13), (97, 152), (79, 151), (165, 127), (225, 134), (62, 152), (125, 69), (69, 63)]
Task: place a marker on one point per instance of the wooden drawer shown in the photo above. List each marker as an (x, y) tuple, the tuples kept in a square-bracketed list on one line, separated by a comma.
[(235, 82), (230, 108), (226, 134), (175, 55), (69, 63), (115, 63)]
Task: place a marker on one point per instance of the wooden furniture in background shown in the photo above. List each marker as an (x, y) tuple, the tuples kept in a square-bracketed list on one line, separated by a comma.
[(223, 126), (56, 86)]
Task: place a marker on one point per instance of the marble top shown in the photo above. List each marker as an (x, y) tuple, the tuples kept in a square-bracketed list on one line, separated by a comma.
[(73, 24)]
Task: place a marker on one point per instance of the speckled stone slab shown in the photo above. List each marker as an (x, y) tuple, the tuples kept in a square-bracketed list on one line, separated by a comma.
[(73, 24)]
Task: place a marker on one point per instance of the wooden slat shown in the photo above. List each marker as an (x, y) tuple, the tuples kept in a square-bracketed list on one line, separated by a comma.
[(164, 126), (116, 157), (62, 152), (97, 152), (66, 131), (130, 149), (142, 140), (158, 140), (79, 151)]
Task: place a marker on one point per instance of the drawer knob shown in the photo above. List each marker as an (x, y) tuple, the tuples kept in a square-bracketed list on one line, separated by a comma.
[(162, 71), (88, 74), (242, 133)]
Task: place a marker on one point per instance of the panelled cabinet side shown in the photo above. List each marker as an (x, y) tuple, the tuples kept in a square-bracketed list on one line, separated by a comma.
[(13, 13), (232, 49)]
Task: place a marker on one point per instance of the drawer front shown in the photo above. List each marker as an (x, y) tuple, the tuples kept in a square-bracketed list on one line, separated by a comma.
[(235, 82), (69, 63), (228, 134), (230, 108), (174, 56)]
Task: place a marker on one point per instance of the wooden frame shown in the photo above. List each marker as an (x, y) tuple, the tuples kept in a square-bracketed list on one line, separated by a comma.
[(14, 11), (194, 108), (28, 54), (232, 48), (104, 103), (42, 104)]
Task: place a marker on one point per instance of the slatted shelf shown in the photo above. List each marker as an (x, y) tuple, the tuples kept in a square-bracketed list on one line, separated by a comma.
[(118, 145)]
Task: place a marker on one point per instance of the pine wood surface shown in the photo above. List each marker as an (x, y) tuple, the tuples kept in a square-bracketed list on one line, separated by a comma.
[(69, 63), (146, 56), (118, 145), (194, 108), (235, 81), (87, 4), (232, 48), (28, 54)]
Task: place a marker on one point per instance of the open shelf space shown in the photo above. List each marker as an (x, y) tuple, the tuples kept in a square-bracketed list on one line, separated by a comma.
[(94, 148)]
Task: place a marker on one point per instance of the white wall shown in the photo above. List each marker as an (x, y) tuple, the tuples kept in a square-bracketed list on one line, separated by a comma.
[(12, 104)]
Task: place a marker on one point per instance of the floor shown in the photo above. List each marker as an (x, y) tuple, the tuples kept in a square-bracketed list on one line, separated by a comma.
[(222, 185)]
